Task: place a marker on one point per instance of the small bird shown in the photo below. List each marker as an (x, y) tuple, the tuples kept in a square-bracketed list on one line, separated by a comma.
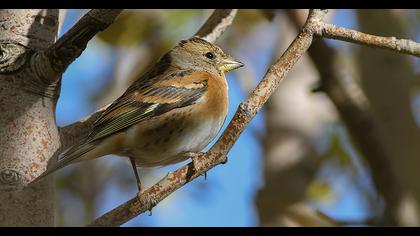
[(176, 107)]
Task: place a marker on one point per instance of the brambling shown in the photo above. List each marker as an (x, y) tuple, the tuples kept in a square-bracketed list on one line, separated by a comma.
[(176, 107)]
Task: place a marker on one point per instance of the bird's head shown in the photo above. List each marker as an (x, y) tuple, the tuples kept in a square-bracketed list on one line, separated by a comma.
[(197, 53)]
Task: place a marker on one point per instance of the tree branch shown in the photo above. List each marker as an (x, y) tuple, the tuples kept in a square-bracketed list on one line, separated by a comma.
[(51, 63), (203, 162), (211, 30), (70, 134), (216, 24), (359, 120), (340, 33)]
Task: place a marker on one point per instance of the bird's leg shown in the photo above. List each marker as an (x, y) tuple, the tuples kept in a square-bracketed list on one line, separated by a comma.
[(133, 164), (193, 156), (205, 175)]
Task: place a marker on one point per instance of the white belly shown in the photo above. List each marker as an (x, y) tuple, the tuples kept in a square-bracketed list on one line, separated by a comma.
[(162, 145), (199, 136)]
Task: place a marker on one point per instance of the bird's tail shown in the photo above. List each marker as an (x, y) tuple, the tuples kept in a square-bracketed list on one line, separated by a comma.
[(72, 155)]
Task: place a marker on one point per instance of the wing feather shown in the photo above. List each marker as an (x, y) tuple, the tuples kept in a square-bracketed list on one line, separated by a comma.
[(145, 100)]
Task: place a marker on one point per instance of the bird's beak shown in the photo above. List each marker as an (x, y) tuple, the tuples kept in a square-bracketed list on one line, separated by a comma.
[(230, 64)]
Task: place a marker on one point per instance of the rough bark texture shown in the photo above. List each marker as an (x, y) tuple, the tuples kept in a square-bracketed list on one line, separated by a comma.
[(31, 65), (392, 43), (28, 134), (30, 71), (217, 154), (289, 142), (62, 53), (70, 134), (358, 118), (217, 24)]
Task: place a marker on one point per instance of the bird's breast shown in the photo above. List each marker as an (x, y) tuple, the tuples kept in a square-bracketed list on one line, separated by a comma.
[(187, 129)]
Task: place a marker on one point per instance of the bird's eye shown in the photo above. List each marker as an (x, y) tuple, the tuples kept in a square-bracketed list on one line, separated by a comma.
[(210, 55)]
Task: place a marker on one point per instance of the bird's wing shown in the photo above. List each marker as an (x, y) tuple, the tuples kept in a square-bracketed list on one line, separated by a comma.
[(149, 98), (144, 99)]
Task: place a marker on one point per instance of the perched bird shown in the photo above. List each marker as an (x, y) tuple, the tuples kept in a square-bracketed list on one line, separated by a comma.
[(178, 106)]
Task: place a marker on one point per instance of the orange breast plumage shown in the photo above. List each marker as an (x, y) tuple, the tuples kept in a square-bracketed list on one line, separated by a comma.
[(187, 129)]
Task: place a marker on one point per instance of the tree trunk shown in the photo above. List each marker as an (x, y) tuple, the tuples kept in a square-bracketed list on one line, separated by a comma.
[(28, 131)]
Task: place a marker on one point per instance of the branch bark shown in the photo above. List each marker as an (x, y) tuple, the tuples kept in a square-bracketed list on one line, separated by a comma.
[(391, 43), (217, 154), (359, 120), (28, 134), (30, 69), (203, 162), (51, 63), (216, 24), (289, 140), (72, 133)]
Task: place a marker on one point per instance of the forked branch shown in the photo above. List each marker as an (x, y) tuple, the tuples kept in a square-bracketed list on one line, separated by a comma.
[(51, 63), (202, 162)]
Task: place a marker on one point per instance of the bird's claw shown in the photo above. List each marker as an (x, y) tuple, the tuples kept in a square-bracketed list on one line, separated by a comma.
[(225, 161), (148, 203)]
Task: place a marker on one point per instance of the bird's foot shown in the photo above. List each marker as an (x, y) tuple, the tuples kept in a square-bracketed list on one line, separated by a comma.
[(192, 155), (149, 203), (139, 188)]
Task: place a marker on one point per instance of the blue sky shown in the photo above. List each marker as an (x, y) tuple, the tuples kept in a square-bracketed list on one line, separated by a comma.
[(226, 197)]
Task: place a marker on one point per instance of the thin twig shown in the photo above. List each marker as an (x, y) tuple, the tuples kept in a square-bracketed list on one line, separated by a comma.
[(203, 162), (392, 43), (72, 133), (51, 63), (216, 24), (358, 119), (331, 31)]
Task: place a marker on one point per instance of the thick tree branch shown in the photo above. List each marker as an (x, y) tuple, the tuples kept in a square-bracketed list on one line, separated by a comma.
[(203, 162), (70, 134), (216, 24), (399, 45), (52, 62), (211, 30)]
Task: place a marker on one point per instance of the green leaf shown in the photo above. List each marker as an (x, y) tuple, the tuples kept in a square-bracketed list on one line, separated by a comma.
[(321, 191)]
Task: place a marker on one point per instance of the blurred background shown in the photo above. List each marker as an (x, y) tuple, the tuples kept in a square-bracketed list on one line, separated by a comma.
[(337, 144)]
